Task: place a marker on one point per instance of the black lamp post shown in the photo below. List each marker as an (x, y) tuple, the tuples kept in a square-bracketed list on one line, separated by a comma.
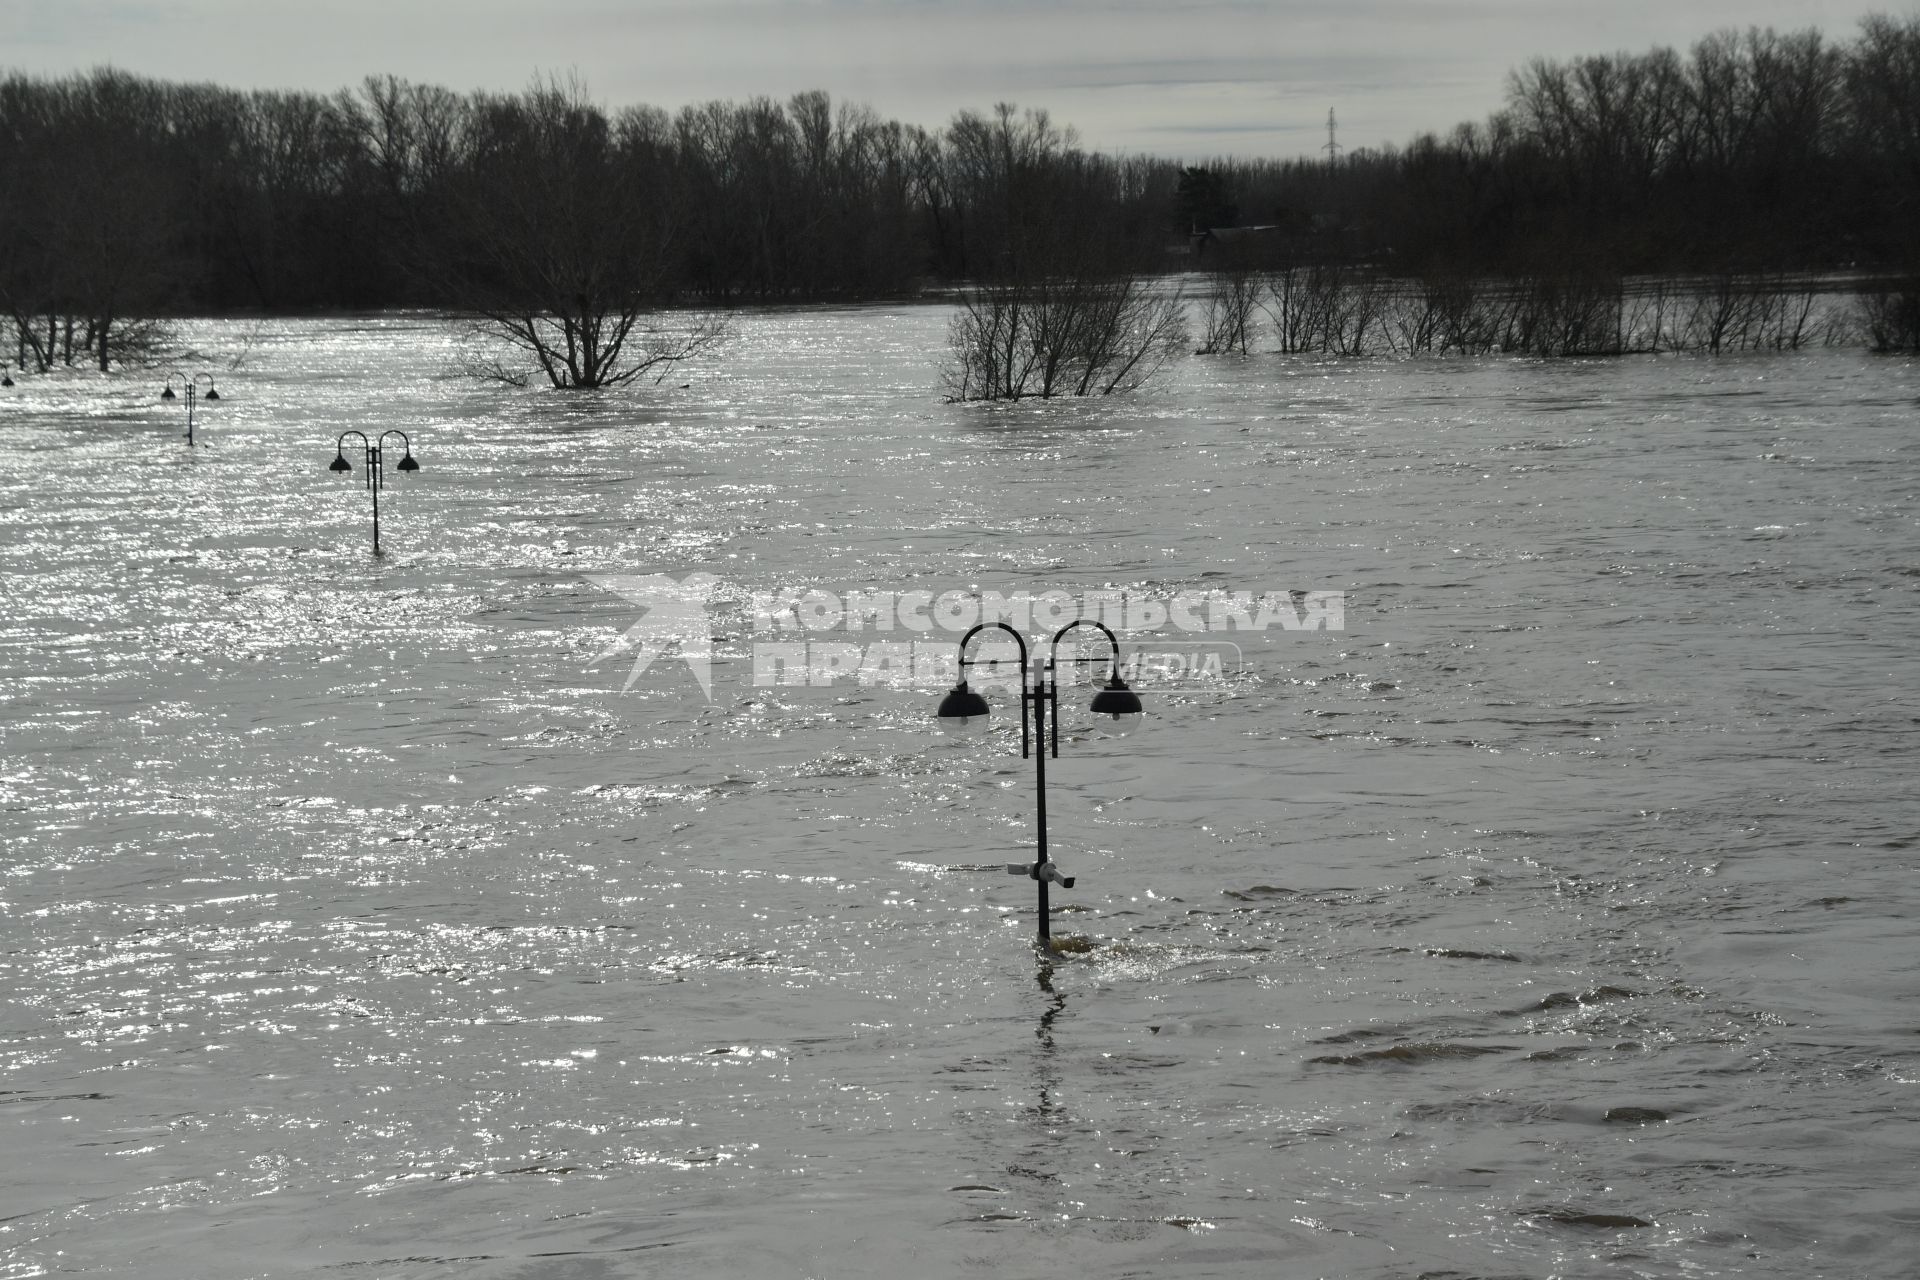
[(193, 391), (963, 709), (376, 467)]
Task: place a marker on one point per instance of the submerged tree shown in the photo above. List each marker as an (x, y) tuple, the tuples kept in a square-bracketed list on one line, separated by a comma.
[(1890, 312), (1063, 310), (553, 235), (1227, 313), (1067, 337), (85, 216)]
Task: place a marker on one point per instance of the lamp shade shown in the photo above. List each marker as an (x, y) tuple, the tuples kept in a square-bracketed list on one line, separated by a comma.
[(408, 464), (339, 463), (962, 710), (1117, 708), (167, 394), (211, 393)]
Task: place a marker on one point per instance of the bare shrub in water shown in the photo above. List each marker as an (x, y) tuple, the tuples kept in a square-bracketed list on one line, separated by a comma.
[(1341, 311), (1449, 312), (1569, 315), (1890, 314), (1746, 312), (1226, 318), (1074, 336), (1329, 309)]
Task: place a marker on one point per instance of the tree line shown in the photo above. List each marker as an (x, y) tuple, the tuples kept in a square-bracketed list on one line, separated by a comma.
[(561, 227), (1755, 150)]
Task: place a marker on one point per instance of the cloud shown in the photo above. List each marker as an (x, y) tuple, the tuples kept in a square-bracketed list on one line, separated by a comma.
[(1208, 76)]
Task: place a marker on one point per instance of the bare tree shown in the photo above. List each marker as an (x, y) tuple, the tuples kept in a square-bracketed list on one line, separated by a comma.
[(555, 243), (1063, 310), (1746, 312), (1445, 311), (84, 220), (1568, 313), (1327, 308), (1226, 323), (1072, 337), (1890, 315)]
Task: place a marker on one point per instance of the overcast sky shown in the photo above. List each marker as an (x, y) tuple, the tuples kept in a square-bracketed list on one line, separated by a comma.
[(1186, 78)]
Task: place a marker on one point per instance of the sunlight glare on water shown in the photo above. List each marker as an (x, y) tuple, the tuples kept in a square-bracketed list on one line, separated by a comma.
[(1551, 919)]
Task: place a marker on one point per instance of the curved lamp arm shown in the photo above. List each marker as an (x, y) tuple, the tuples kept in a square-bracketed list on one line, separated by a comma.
[(1053, 649), (340, 462), (1114, 700), (966, 662), (962, 705), (1053, 659), (406, 461)]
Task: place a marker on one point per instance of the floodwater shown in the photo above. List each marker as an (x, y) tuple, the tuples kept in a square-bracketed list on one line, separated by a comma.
[(1553, 919)]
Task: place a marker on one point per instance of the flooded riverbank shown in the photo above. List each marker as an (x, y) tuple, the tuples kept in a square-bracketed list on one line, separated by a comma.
[(1552, 918)]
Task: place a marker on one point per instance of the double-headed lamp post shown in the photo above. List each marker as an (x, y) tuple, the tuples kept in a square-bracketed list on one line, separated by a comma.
[(193, 390), (963, 710), (376, 467)]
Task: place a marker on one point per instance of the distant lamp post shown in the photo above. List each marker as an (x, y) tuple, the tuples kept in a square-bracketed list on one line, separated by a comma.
[(193, 392), (376, 467), (964, 710)]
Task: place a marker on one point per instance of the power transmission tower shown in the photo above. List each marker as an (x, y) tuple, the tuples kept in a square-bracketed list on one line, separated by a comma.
[(1333, 143)]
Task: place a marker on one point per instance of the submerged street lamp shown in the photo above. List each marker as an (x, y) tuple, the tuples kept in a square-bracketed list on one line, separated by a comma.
[(376, 467), (964, 710), (193, 390)]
